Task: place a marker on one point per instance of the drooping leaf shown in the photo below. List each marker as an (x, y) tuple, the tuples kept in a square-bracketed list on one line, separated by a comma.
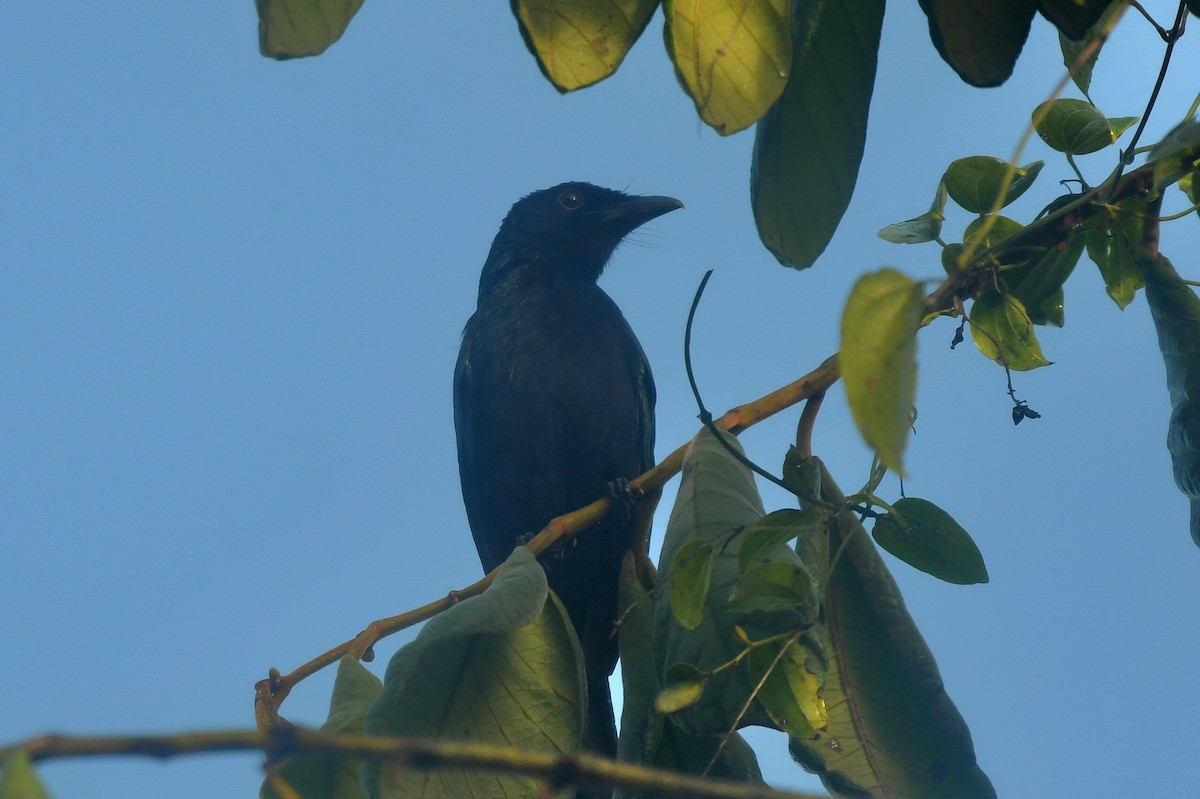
[(1176, 312), (1110, 244), (323, 777), (878, 359), (732, 58), (771, 586), (1003, 331), (1076, 126), (641, 724), (976, 181), (717, 500), (791, 692), (1073, 50), (920, 229), (927, 538), (1073, 18), (980, 39), (18, 780), (297, 28), (691, 575), (808, 147), (892, 729), (581, 42), (1039, 284), (503, 667)]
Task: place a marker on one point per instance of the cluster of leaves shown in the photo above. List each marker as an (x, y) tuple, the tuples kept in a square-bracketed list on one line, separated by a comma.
[(802, 70), (788, 620)]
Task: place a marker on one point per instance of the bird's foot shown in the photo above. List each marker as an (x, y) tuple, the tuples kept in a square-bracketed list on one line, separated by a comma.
[(625, 498)]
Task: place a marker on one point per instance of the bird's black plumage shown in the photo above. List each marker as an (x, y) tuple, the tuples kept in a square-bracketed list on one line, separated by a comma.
[(554, 400)]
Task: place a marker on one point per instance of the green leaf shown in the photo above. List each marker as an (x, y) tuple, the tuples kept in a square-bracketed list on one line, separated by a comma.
[(641, 724), (315, 776), (581, 42), (1003, 332), (731, 59), (503, 667), (1072, 50), (298, 28), (685, 685), (927, 538), (1039, 284), (892, 729), (772, 586), (1190, 186), (763, 539), (691, 575), (683, 751), (808, 147), (1110, 245), (717, 499), (791, 692), (976, 181), (1073, 126), (18, 780), (800, 476), (1176, 312), (926, 227), (1073, 18), (980, 39), (879, 359)]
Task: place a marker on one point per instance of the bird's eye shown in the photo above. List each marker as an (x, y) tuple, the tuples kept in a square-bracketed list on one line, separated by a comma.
[(570, 199)]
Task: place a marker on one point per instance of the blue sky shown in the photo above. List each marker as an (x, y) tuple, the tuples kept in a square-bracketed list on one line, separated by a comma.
[(231, 294)]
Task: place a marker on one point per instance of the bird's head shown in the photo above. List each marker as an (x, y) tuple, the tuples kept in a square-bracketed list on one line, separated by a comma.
[(567, 232)]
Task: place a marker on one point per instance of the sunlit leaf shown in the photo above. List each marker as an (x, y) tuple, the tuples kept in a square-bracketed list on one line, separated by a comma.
[(503, 667), (18, 780), (975, 182), (685, 685), (732, 58), (892, 729), (580, 42), (808, 147), (296, 28), (927, 538), (1003, 332), (879, 359), (791, 693), (1176, 312), (772, 586), (980, 39)]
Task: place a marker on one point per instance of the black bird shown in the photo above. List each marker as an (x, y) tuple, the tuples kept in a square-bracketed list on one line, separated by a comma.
[(554, 402)]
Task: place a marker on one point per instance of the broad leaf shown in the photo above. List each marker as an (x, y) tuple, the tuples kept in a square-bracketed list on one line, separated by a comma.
[(321, 777), (581, 42), (1176, 312), (1039, 283), (732, 58), (771, 586), (927, 538), (980, 39), (878, 359), (297, 28), (977, 181), (717, 500), (808, 147), (926, 227), (764, 538), (1003, 331), (892, 729), (503, 667)]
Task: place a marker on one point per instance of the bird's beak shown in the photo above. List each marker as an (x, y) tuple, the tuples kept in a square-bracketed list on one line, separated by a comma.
[(634, 212)]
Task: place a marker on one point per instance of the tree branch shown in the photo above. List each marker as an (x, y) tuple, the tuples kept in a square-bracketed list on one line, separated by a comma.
[(558, 770)]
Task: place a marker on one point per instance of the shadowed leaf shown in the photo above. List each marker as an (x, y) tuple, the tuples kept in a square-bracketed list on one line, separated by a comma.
[(980, 39), (297, 28), (927, 538)]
